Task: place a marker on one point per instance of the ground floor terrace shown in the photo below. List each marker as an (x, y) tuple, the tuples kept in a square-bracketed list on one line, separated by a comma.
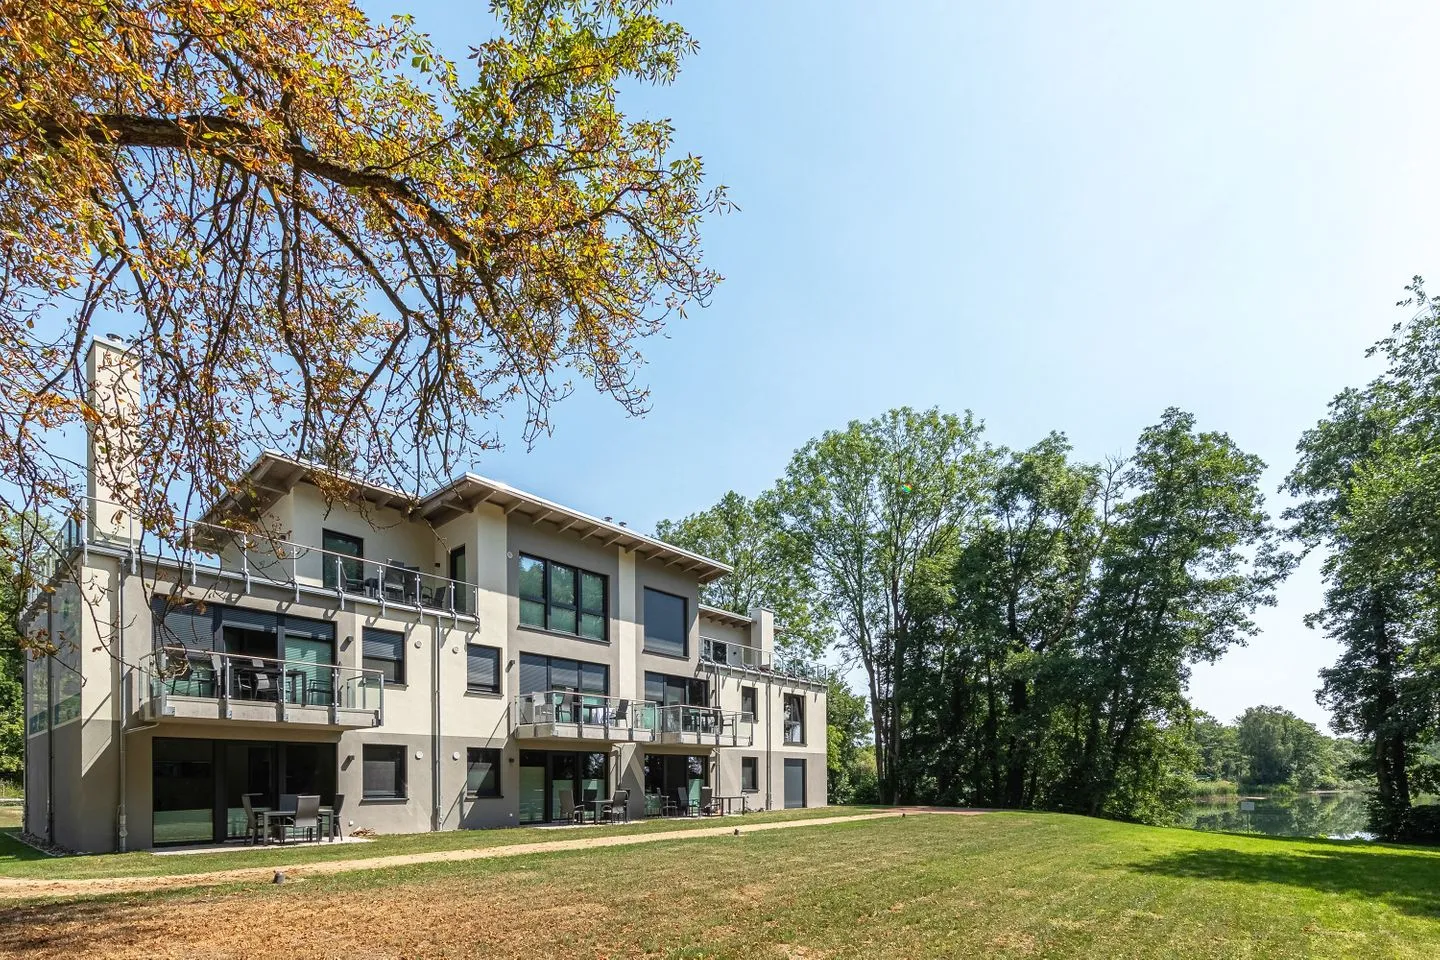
[(202, 785)]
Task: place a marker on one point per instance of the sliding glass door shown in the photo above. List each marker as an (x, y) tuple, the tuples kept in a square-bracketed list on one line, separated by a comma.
[(553, 782), (198, 785)]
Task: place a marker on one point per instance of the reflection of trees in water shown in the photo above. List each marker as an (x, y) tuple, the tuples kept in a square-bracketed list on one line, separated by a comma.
[(1305, 815)]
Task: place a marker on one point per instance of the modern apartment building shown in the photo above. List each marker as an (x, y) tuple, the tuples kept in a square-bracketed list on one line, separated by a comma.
[(477, 657)]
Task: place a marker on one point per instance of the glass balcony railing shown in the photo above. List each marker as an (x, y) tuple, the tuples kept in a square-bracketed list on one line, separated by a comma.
[(175, 672)]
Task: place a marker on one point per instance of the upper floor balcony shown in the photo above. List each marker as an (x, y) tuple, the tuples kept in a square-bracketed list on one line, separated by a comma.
[(567, 715), (200, 550), (179, 684), (750, 659), (703, 726)]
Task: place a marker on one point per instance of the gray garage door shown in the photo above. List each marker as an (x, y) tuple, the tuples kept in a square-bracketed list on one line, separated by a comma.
[(794, 783)]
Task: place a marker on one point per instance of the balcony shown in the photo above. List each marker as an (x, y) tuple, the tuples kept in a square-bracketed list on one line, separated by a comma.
[(179, 684), (744, 658), (566, 715), (703, 726), (199, 550)]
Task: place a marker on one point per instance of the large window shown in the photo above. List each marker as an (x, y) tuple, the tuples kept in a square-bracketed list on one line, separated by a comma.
[(482, 772), (383, 771), (384, 650), (668, 690), (343, 554), (554, 596), (747, 703), (794, 718), (666, 624), (749, 774), (482, 669), (539, 674)]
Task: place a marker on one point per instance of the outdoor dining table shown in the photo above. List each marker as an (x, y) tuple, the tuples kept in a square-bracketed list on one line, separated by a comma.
[(327, 818), (599, 808), (728, 802)]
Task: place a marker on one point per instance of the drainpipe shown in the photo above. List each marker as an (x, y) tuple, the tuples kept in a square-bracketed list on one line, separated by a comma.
[(122, 831), (49, 727), (769, 741), (435, 728)]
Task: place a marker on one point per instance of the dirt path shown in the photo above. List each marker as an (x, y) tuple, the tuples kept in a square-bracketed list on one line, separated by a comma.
[(17, 888)]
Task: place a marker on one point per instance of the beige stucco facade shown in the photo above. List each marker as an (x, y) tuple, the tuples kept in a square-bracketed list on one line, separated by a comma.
[(94, 717)]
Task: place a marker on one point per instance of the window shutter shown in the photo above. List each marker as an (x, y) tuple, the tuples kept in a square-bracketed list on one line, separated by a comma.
[(534, 674), (184, 626), (482, 667), (382, 644)]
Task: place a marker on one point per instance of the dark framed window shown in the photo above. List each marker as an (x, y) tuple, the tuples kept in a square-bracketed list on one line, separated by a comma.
[(457, 574), (350, 559), (750, 774), (559, 597), (482, 772), (540, 674), (748, 701), (668, 690), (666, 624), (382, 771), (482, 669), (383, 650), (794, 718)]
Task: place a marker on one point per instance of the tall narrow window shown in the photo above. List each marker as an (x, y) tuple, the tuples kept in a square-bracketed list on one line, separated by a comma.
[(749, 774), (592, 605), (532, 591), (666, 626), (562, 598), (343, 556), (482, 772), (460, 581), (747, 703), (794, 718)]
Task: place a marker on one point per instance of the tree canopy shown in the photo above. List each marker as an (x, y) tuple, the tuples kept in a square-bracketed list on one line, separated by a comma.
[(318, 234)]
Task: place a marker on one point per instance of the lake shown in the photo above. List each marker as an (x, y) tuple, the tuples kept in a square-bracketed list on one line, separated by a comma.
[(1340, 816)]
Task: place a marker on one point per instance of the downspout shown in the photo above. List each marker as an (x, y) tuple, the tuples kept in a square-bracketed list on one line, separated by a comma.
[(49, 726), (122, 831), (769, 742), (435, 728)]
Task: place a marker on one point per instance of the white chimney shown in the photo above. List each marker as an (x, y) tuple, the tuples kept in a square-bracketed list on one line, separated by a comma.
[(762, 632), (113, 373)]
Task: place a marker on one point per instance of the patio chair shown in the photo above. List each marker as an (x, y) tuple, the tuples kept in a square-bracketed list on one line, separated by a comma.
[(568, 811), (252, 820), (618, 809), (708, 807), (306, 820), (684, 806), (620, 717), (288, 801), (337, 826)]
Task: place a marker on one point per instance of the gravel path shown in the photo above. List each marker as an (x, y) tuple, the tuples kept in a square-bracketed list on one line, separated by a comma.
[(15, 888)]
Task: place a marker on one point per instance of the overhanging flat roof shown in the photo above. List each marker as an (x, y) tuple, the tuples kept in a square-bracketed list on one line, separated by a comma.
[(274, 474), (728, 617)]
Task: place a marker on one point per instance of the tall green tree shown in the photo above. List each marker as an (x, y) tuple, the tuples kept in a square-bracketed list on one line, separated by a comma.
[(769, 571), (871, 506), (1368, 483), (1188, 555)]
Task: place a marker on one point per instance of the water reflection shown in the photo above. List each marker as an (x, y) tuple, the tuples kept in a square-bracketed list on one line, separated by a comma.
[(1340, 816)]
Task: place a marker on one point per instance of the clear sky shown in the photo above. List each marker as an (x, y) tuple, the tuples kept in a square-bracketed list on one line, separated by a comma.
[(1058, 218)]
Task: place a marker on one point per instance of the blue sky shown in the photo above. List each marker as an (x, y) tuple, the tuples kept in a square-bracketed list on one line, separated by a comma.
[(1059, 219)]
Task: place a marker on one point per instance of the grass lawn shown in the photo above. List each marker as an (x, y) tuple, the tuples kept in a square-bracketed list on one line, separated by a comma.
[(20, 860), (1006, 885)]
